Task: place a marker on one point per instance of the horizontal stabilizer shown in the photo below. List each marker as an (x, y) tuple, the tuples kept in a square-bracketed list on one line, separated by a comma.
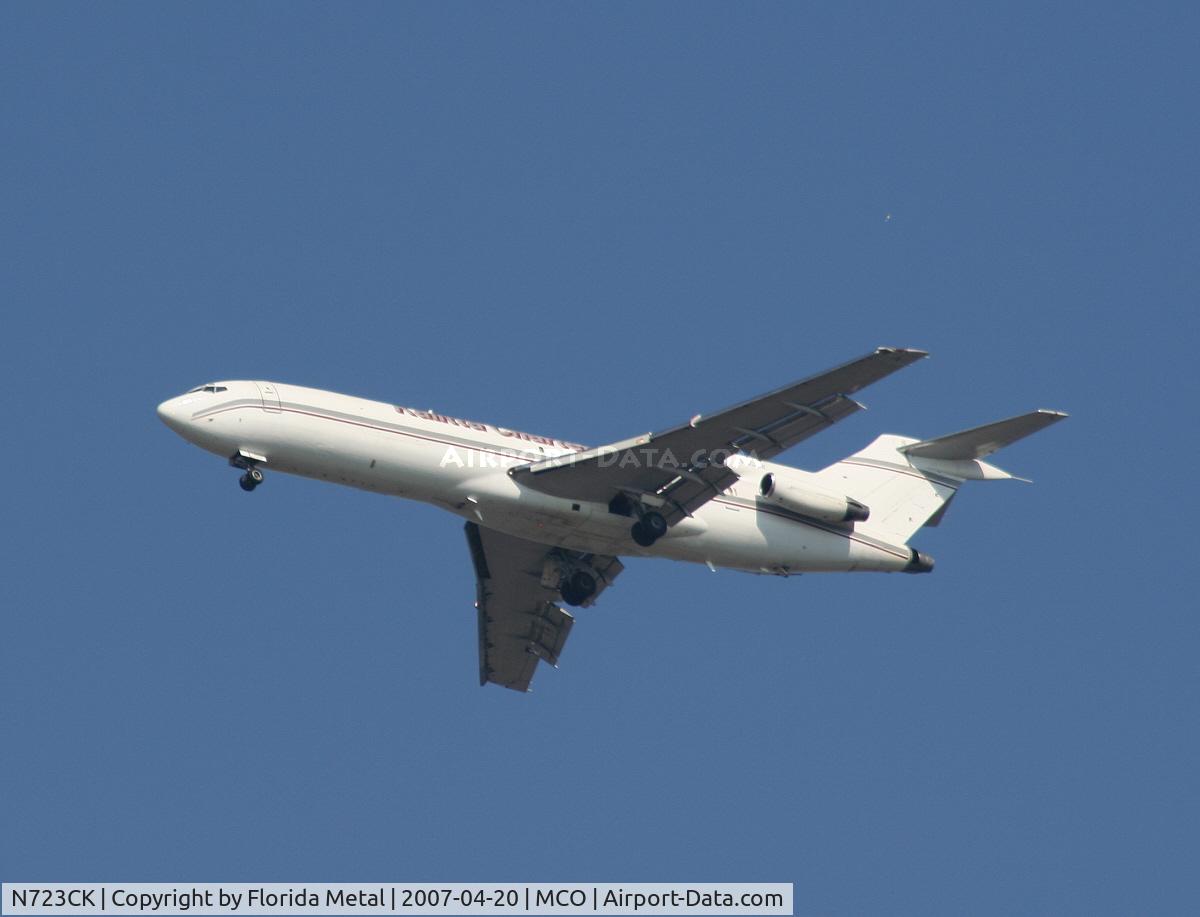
[(979, 442)]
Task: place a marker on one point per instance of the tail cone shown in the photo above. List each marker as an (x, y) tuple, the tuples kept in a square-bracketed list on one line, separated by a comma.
[(919, 563)]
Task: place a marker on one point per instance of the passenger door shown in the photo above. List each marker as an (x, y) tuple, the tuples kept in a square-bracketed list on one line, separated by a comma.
[(270, 396)]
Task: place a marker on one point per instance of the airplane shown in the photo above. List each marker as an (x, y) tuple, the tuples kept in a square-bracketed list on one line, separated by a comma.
[(548, 520)]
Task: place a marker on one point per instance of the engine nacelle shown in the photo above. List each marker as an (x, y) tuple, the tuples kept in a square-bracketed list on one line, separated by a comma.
[(811, 501)]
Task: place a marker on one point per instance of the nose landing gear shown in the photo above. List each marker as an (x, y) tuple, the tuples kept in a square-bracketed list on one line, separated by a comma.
[(251, 479), (249, 464)]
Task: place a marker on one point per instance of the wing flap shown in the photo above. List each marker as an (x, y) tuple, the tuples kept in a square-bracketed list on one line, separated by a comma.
[(518, 622), (683, 466), (550, 627)]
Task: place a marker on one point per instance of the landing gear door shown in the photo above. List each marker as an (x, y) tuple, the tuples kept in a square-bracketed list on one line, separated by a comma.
[(270, 396)]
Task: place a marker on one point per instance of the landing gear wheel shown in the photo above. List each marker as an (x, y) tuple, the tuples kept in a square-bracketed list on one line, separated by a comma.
[(647, 530), (578, 587), (249, 464), (655, 524), (642, 535)]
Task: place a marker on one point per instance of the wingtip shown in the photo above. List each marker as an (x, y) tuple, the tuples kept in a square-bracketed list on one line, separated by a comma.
[(910, 352), (1053, 413)]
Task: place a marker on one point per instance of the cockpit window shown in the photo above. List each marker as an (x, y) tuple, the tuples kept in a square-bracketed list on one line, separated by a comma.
[(208, 388)]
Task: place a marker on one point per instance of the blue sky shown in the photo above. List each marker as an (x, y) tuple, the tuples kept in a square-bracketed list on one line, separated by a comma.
[(589, 222)]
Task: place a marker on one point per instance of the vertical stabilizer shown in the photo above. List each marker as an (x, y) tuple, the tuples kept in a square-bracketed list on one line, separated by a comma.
[(907, 483)]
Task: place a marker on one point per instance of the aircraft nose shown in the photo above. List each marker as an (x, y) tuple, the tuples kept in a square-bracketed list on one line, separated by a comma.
[(170, 413)]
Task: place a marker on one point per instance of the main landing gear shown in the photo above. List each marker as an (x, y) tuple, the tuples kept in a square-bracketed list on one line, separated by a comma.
[(650, 525), (253, 476), (578, 587), (647, 530)]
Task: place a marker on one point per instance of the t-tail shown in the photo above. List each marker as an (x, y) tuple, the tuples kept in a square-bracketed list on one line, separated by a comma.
[(907, 483)]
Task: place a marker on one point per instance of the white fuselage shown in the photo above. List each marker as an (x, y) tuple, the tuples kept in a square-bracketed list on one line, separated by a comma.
[(461, 465)]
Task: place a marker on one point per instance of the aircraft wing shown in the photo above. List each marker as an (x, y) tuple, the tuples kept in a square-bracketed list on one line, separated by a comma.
[(516, 589), (681, 468)]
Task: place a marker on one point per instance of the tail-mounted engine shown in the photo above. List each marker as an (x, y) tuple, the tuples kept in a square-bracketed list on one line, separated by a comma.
[(811, 501)]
